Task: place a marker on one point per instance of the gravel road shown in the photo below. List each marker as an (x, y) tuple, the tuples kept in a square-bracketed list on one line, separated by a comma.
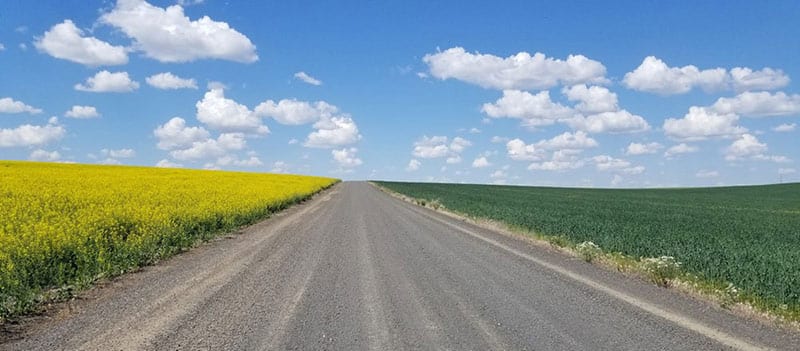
[(356, 269)]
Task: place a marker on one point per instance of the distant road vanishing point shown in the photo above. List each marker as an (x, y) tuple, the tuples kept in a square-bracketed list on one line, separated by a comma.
[(356, 269)]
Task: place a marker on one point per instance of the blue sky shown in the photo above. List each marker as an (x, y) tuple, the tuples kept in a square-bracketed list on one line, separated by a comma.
[(628, 94)]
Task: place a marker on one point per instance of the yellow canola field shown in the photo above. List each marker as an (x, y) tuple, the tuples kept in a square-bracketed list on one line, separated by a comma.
[(67, 225)]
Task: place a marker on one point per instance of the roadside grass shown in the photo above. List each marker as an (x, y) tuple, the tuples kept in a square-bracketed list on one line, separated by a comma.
[(662, 270)]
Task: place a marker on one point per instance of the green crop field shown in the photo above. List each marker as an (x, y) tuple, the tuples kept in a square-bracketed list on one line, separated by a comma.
[(748, 236)]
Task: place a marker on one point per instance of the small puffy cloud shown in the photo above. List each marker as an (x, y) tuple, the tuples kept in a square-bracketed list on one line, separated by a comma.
[(498, 139), (706, 174), (608, 163), (120, 153), (167, 80), (620, 121), (748, 147), (65, 41), (574, 141), (433, 147), (592, 100), (346, 158), (2, 47), (703, 123), (481, 162), (413, 165), (474, 130), (82, 112), (107, 82), (745, 79), (642, 149), (211, 148), (230, 160), (168, 35), (294, 112), (293, 141), (227, 115), (519, 151), (164, 163), (176, 135), (453, 159), (110, 161), (9, 105), (31, 135), (280, 167), (186, 3), (555, 165), (654, 76), (440, 146), (45, 156), (520, 71), (759, 104), (785, 127), (332, 132), (533, 109), (679, 149), (500, 173), (459, 144), (303, 76), (605, 163)]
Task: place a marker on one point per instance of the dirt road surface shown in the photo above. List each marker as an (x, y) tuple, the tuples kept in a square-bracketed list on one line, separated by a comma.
[(355, 269)]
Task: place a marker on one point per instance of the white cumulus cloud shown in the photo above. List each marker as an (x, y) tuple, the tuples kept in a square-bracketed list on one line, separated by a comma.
[(748, 147), (32, 135), (227, 115), (167, 80), (346, 157), (43, 155), (303, 76), (481, 162), (573, 141), (745, 79), (785, 127), (65, 41), (702, 123), (608, 163), (164, 163), (413, 165), (642, 149), (759, 104), (620, 121), (655, 76), (211, 148), (533, 109), (294, 112), (82, 112), (520, 71), (592, 99), (107, 82), (168, 35), (679, 149), (519, 151), (9, 105), (118, 153), (176, 135), (440, 146), (706, 174), (332, 132)]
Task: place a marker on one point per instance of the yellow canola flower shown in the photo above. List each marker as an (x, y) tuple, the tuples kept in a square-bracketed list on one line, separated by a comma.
[(65, 224)]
